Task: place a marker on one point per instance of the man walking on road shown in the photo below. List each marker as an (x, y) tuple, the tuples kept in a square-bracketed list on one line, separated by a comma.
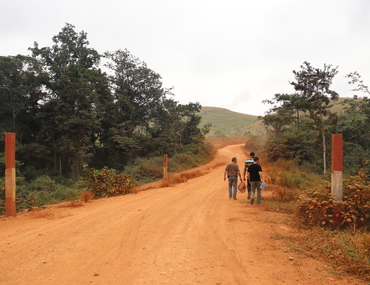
[(232, 172), (248, 162), (255, 177)]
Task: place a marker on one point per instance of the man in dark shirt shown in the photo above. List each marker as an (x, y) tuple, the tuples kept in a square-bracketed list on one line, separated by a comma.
[(248, 162), (255, 177), (232, 172)]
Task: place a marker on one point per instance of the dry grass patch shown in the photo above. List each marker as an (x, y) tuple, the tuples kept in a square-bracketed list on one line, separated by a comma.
[(182, 177), (284, 194), (87, 196), (42, 214), (72, 204), (347, 252)]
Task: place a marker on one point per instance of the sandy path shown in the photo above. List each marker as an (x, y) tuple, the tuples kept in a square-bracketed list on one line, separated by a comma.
[(187, 234)]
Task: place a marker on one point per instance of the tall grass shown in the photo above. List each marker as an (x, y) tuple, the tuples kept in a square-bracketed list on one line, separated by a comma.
[(345, 251), (40, 192), (145, 170)]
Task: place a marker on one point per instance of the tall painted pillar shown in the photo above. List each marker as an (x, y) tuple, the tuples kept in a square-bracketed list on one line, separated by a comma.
[(165, 166), (10, 207), (337, 168)]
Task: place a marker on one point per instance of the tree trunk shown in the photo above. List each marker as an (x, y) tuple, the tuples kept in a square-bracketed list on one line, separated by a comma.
[(299, 127), (60, 165)]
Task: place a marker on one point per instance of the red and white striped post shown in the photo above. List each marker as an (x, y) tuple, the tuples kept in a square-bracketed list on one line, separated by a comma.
[(10, 207), (337, 168)]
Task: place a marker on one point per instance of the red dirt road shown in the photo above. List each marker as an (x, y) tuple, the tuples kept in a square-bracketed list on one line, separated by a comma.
[(187, 234)]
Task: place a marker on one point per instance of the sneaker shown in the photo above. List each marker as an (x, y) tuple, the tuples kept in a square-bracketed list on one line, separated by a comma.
[(229, 197), (249, 195), (252, 201), (235, 199)]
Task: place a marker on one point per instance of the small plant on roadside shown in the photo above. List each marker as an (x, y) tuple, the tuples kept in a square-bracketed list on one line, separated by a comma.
[(292, 179), (285, 194), (86, 196), (106, 182), (274, 176)]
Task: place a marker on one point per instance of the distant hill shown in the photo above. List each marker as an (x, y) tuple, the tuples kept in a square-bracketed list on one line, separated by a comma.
[(338, 107), (226, 123)]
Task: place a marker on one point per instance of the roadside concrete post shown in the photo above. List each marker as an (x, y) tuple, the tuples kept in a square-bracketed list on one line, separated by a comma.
[(337, 168), (10, 207), (165, 166)]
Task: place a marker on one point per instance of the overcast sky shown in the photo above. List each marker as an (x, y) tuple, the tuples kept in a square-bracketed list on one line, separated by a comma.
[(231, 54)]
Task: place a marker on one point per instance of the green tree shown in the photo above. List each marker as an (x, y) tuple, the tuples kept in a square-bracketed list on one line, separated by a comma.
[(78, 91), (22, 90), (137, 89), (177, 125), (314, 85), (138, 93), (290, 105), (277, 122), (355, 79)]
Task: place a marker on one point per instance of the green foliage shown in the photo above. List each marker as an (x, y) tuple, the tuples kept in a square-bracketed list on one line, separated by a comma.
[(40, 192), (354, 155), (25, 199), (106, 182), (67, 113), (42, 183), (150, 169), (355, 78), (30, 200), (286, 111), (182, 161), (314, 85), (294, 116), (144, 168), (256, 144), (70, 116), (353, 123), (292, 179), (297, 146), (59, 194)]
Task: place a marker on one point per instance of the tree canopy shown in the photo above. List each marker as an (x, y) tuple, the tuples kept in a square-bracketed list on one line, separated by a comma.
[(68, 112)]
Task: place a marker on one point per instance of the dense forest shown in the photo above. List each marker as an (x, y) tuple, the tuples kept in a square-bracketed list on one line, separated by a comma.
[(69, 110)]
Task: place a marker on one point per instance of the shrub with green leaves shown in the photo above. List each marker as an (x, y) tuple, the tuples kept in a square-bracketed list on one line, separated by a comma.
[(43, 183), (182, 161)]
